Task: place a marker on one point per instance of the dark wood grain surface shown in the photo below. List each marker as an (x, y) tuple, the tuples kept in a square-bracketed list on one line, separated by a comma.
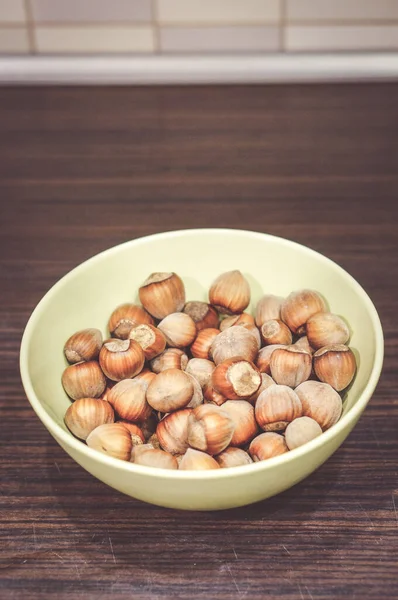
[(84, 169)]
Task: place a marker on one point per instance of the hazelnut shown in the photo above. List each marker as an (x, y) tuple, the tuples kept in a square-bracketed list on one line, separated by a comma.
[(84, 380), (170, 390), (172, 431), (86, 414), (276, 407), (162, 294), (268, 307), (203, 341), (236, 378), (179, 329), (234, 341), (263, 359), (320, 402), (245, 425), (151, 339), (335, 365), (230, 293), (290, 366), (171, 358), (128, 399), (204, 315), (276, 332), (300, 431), (267, 445), (83, 345), (210, 429), (194, 460), (153, 457), (299, 306), (201, 369), (233, 457), (125, 317), (121, 359), (325, 329), (113, 439)]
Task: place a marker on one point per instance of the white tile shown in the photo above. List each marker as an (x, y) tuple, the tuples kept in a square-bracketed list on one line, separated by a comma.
[(219, 39), (13, 40), (94, 11), (341, 10), (324, 38), (94, 39), (12, 11), (197, 12)]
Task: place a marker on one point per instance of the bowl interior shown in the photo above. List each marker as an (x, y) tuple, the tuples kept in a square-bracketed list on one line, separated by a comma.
[(89, 293)]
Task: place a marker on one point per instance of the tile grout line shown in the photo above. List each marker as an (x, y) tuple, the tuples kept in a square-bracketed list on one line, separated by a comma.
[(155, 26), (30, 26)]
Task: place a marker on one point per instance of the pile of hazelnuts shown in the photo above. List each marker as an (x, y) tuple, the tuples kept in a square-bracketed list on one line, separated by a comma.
[(197, 385)]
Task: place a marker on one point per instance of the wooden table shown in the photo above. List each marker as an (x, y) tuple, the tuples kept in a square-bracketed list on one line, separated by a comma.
[(84, 169)]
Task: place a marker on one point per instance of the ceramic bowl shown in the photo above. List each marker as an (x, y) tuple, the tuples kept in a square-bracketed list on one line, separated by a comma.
[(86, 296)]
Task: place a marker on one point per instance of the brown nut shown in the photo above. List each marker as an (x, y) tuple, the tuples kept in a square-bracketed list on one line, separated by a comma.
[(276, 407), (204, 315), (276, 332), (335, 365), (244, 319), (151, 339), (201, 369), (125, 317), (320, 402), (290, 366), (83, 345), (211, 396), (300, 431), (84, 380), (162, 294), (137, 435), (170, 390), (121, 359), (242, 414), (113, 439), (233, 457), (179, 330), (304, 344), (153, 457), (172, 431), (268, 307), (145, 376), (266, 382), (128, 399), (236, 378), (194, 460), (203, 341), (197, 396), (234, 341), (86, 414), (299, 306), (210, 429), (171, 358), (267, 445), (230, 293), (325, 329), (263, 359)]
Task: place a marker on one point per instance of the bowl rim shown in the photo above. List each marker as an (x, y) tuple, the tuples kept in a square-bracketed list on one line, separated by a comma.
[(69, 440)]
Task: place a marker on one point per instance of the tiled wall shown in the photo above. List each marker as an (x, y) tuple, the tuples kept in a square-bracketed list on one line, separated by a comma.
[(196, 26)]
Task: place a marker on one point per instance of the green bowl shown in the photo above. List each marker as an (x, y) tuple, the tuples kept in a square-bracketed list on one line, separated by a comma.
[(88, 294)]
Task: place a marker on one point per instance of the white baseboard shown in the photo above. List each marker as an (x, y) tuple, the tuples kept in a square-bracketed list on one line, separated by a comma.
[(137, 70)]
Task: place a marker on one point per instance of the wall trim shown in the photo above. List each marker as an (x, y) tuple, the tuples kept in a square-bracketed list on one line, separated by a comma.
[(144, 70)]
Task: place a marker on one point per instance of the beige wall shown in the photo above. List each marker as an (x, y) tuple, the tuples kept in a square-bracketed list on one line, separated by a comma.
[(196, 26)]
